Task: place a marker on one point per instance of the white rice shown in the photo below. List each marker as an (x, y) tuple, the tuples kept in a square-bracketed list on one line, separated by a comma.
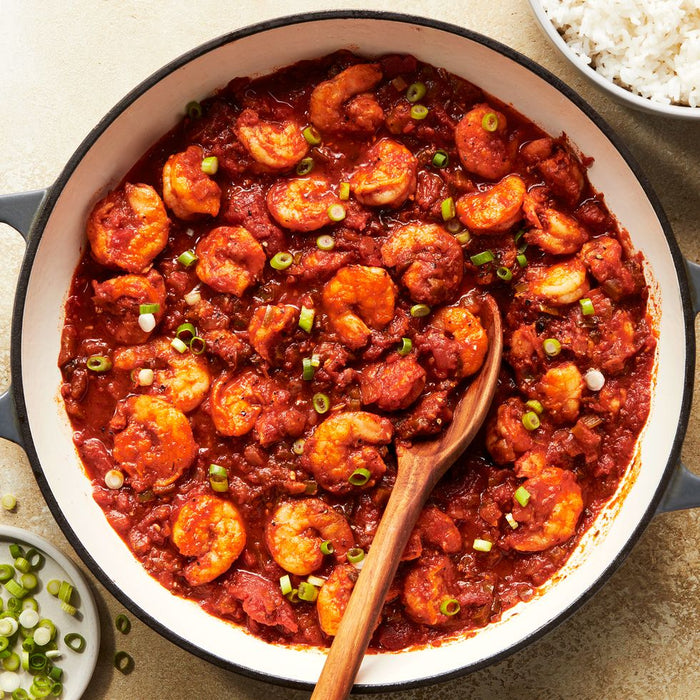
[(651, 47)]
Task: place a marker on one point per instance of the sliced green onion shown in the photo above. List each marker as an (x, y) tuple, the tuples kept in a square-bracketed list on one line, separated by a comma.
[(486, 256), (511, 521), (586, 306), (327, 547), (8, 501), (293, 596), (35, 557), (416, 91), (122, 623), (360, 476), (405, 347), (551, 347), (308, 370), (316, 581), (28, 618), (56, 673), (6, 572), (42, 636), (193, 109), (8, 626), (504, 273), (489, 121), (482, 545), (198, 345), (187, 258), (114, 479), (449, 607), (281, 261), (298, 446), (16, 551), (536, 406), (210, 165), (11, 662), (285, 584), (325, 242), (147, 322), (29, 581), (15, 589), (522, 496), (307, 592), (521, 259), (336, 212), (186, 331), (53, 586), (14, 605), (37, 662), (419, 112), (313, 138), (441, 159), (65, 591), (531, 420), (447, 208), (123, 662), (99, 363), (4, 643), (306, 318), (344, 191), (56, 689), (29, 604), (218, 478), (463, 238), (321, 403), (179, 345), (149, 308), (305, 166), (419, 310), (355, 555), (68, 608)]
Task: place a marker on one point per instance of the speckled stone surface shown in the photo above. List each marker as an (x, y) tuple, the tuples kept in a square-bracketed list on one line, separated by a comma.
[(64, 63)]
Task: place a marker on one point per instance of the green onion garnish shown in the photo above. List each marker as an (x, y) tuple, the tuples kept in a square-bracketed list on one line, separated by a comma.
[(210, 165), (307, 592), (149, 308), (75, 641), (306, 318), (522, 259), (419, 112), (355, 555), (440, 159), (327, 547), (504, 273), (122, 623), (406, 346), (416, 91), (8, 501), (305, 166), (298, 446), (551, 347), (486, 256), (482, 545), (308, 370), (463, 237), (193, 109), (99, 363), (186, 331), (325, 242), (281, 261), (218, 478), (522, 496), (6, 573), (15, 589), (360, 476), (344, 191), (321, 403), (536, 406), (123, 662), (511, 521), (313, 138), (449, 606), (53, 586), (187, 258), (586, 306), (447, 208), (531, 420), (489, 122), (179, 345), (336, 212), (420, 310), (21, 564), (285, 584), (198, 345)]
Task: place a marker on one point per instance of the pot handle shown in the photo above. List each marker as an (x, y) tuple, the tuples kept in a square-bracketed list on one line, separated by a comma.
[(684, 488), (18, 210)]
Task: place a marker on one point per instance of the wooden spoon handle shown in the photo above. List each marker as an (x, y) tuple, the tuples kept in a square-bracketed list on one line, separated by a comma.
[(365, 605)]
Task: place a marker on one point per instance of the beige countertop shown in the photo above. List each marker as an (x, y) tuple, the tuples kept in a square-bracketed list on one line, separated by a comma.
[(64, 63)]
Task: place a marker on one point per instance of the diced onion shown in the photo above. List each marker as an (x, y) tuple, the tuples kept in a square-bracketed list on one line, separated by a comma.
[(147, 322), (595, 380), (511, 521), (114, 479)]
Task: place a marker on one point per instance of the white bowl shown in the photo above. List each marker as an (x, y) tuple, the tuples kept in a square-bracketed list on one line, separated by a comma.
[(619, 93)]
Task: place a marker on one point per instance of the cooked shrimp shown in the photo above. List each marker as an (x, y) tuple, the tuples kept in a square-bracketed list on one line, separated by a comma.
[(229, 259), (558, 285), (392, 386), (334, 596), (464, 346), (387, 178), (343, 443), (488, 154), (118, 301), (184, 381), (296, 530), (128, 228), (236, 402), (556, 233), (269, 326), (429, 582), (560, 169), (187, 190), (429, 260), (358, 299), (342, 105), (226, 345), (301, 204), (212, 530), (274, 145), (436, 529), (603, 257), (153, 441), (551, 514), (506, 436), (560, 391), (493, 210)]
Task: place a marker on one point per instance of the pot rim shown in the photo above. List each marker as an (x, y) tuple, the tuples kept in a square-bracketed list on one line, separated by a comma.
[(54, 192)]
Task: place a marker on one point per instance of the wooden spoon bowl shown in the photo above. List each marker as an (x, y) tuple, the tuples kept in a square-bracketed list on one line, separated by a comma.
[(420, 467)]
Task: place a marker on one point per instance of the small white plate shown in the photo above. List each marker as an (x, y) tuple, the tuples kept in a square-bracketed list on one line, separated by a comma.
[(77, 667)]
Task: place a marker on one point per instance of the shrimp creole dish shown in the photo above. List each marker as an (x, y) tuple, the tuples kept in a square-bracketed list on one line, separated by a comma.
[(288, 284)]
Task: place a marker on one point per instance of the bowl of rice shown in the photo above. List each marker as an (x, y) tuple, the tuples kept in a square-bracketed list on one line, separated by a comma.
[(644, 53)]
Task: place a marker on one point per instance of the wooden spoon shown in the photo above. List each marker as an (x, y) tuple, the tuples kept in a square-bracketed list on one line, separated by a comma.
[(420, 467)]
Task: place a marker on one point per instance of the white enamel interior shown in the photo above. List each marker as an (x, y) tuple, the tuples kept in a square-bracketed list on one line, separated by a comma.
[(126, 139)]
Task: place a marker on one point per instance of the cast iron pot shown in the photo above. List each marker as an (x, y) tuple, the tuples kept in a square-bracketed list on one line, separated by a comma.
[(53, 221)]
